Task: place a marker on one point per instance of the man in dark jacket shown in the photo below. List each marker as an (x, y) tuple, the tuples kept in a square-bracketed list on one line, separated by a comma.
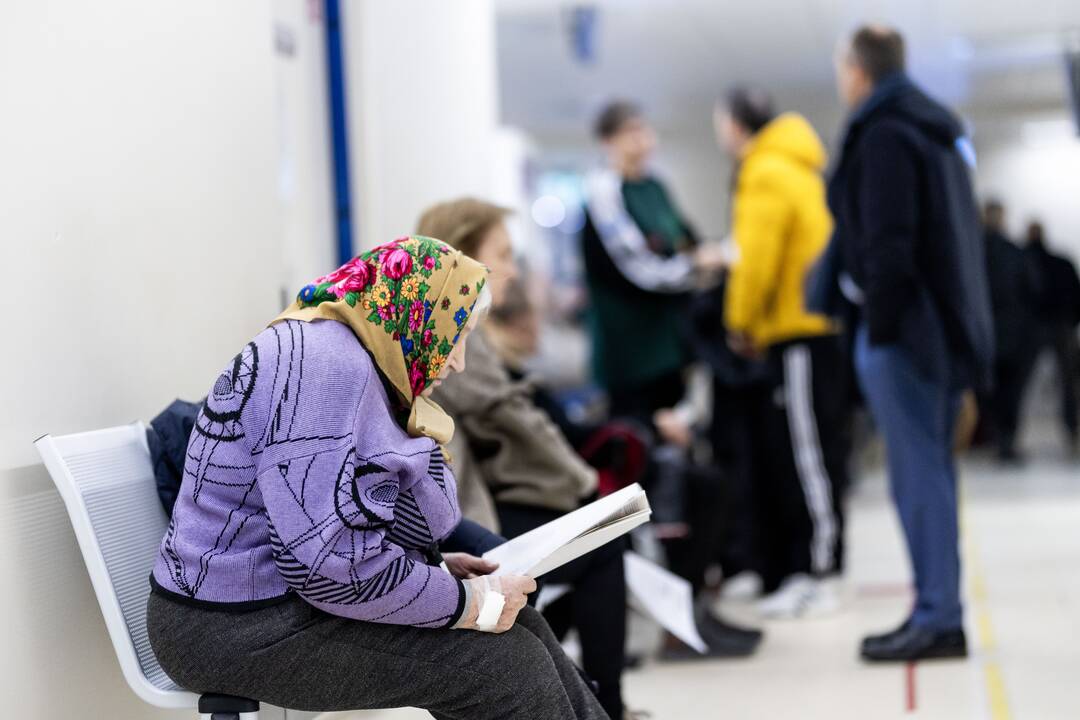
[(1014, 291), (911, 258), (1059, 314)]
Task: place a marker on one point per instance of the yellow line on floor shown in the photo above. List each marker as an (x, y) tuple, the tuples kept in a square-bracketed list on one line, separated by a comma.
[(997, 697), (985, 630), (995, 687)]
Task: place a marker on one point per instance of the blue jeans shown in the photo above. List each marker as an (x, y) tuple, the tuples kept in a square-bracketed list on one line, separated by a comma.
[(916, 415)]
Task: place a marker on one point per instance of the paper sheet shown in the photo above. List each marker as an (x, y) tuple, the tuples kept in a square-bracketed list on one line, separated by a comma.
[(666, 597)]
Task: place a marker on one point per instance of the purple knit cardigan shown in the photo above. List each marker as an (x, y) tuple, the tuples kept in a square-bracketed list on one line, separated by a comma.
[(298, 479)]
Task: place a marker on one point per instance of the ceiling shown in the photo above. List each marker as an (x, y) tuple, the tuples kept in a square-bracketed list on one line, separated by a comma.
[(676, 56)]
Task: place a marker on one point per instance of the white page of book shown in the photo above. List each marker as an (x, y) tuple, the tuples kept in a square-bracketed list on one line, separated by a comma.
[(526, 553), (587, 543), (665, 597)]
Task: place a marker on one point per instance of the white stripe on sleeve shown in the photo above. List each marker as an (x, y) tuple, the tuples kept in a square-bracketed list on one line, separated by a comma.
[(625, 243)]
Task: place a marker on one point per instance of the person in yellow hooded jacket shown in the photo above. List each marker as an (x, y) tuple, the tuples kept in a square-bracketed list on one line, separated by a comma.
[(780, 225)]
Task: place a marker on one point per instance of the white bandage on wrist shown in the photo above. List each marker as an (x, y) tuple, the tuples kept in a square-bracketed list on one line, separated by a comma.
[(491, 607)]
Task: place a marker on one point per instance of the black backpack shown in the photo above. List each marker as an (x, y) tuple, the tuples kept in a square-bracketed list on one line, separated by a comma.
[(167, 437)]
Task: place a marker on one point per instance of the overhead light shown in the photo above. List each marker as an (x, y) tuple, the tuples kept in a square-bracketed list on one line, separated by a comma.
[(548, 211)]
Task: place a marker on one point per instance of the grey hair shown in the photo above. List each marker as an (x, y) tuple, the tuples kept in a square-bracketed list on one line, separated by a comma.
[(481, 307)]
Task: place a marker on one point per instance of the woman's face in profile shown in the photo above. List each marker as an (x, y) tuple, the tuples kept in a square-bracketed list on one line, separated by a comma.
[(455, 361), (497, 253)]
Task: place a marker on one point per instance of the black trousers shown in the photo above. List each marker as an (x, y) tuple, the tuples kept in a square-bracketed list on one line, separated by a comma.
[(800, 434), (596, 606), (1011, 376), (734, 410), (640, 401), (1067, 355), (688, 557)]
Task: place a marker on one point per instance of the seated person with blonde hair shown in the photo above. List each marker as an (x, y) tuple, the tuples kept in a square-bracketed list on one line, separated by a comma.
[(515, 470)]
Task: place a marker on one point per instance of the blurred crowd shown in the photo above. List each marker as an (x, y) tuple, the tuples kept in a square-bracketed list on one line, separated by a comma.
[(731, 373), (1035, 295)]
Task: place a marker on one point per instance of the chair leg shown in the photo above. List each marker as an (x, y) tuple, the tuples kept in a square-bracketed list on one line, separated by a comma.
[(271, 713), (216, 706)]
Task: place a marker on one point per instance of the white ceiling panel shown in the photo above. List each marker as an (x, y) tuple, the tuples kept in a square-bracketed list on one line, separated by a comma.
[(676, 56)]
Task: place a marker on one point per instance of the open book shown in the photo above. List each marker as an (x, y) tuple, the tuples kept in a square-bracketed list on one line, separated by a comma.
[(572, 535)]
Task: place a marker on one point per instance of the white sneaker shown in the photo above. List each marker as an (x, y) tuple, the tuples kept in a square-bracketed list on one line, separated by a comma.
[(802, 596), (742, 587)]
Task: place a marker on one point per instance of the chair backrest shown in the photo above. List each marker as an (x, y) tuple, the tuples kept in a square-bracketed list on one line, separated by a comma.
[(107, 483)]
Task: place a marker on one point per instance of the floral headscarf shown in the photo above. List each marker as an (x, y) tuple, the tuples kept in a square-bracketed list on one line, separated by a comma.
[(407, 301)]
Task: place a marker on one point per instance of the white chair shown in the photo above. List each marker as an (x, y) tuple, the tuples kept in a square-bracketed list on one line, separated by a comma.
[(107, 483)]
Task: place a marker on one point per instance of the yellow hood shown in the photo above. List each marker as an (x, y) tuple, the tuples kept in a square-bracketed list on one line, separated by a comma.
[(789, 134)]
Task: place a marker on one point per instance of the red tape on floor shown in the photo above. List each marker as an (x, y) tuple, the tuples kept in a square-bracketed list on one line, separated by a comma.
[(910, 674)]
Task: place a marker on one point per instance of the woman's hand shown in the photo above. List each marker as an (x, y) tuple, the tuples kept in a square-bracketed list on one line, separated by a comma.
[(511, 590), (465, 566)]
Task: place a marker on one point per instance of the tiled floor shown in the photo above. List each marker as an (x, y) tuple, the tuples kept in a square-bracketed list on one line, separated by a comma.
[(1022, 548)]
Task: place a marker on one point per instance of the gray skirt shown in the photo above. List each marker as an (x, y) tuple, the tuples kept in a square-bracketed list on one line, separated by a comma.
[(296, 656)]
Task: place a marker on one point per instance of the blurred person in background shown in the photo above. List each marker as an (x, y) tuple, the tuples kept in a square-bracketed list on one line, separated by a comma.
[(514, 335), (780, 225), (1014, 293), (642, 259), (614, 449), (740, 389), (1058, 317), (515, 470), (908, 254)]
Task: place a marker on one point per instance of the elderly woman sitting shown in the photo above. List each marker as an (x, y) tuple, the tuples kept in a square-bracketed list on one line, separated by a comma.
[(301, 566)]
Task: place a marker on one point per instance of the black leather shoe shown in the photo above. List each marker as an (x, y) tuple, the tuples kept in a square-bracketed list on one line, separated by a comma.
[(723, 639), (912, 642), (732, 645), (871, 642), (715, 631)]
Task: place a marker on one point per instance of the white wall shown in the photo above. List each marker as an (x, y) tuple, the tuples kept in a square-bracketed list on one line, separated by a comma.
[(422, 108), (141, 238), (140, 246), (304, 175), (56, 661), (698, 175)]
